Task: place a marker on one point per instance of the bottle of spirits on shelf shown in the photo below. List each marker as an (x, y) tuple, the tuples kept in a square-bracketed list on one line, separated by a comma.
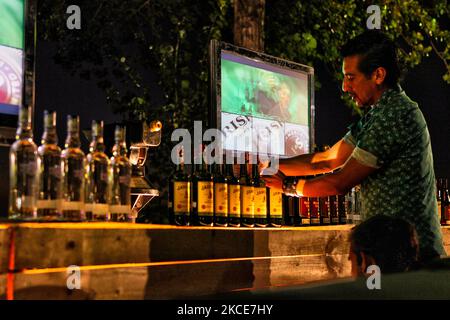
[(357, 205), (445, 202), (247, 196), (180, 194), (286, 217), (324, 210), (260, 198), (24, 162), (349, 205), (333, 208), (304, 211), (98, 172), (314, 210), (203, 193), (50, 186), (341, 209), (234, 197), (73, 163), (275, 207), (120, 205), (294, 215), (220, 196)]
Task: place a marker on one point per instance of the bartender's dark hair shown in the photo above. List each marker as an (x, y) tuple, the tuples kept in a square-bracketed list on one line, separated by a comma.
[(376, 50), (391, 241)]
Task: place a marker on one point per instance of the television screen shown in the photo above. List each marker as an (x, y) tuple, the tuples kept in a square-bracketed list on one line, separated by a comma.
[(262, 104), (11, 55)]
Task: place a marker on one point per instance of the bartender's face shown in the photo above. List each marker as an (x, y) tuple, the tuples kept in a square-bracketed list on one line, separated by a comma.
[(364, 90)]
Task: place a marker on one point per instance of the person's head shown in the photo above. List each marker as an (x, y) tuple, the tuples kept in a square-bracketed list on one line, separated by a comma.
[(388, 242), (370, 66)]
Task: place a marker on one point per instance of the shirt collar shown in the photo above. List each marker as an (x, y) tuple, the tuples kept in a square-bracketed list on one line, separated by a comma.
[(386, 95)]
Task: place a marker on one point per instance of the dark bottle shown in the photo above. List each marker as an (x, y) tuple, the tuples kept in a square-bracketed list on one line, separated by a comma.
[(234, 197), (314, 212), (293, 207), (220, 197), (203, 194), (333, 208), (445, 203), (341, 209), (260, 198), (50, 189), (304, 212), (247, 196), (179, 193), (275, 207), (324, 210), (286, 217)]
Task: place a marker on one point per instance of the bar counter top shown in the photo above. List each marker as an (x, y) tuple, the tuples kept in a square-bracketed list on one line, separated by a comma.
[(149, 261)]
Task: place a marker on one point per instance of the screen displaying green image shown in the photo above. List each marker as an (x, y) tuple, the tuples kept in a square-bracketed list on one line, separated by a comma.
[(262, 93), (12, 23)]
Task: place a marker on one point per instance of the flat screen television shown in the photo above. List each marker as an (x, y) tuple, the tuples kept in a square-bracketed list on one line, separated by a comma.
[(17, 48), (261, 103)]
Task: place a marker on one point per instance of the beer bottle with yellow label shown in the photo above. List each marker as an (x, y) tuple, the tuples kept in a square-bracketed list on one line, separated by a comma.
[(180, 202), (220, 197), (234, 197), (275, 207), (247, 196), (203, 194), (260, 198)]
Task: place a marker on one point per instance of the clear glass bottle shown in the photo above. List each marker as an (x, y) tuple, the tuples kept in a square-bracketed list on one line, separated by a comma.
[(23, 163), (73, 164), (120, 205), (97, 177), (50, 192)]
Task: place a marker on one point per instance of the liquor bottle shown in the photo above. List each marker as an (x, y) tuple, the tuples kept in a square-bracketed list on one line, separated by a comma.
[(445, 202), (202, 194), (349, 205), (341, 209), (247, 196), (286, 217), (357, 205), (73, 163), (334, 213), (260, 198), (275, 207), (293, 211), (24, 162), (314, 212), (234, 197), (439, 198), (304, 211), (50, 184), (98, 177), (324, 210), (220, 197), (180, 194), (120, 202)]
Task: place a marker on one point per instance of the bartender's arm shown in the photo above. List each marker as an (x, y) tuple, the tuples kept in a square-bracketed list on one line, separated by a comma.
[(319, 162)]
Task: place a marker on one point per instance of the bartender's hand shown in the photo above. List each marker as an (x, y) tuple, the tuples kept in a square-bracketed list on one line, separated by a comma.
[(275, 181)]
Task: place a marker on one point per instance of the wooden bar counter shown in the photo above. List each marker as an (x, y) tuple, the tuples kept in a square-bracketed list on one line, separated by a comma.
[(147, 261)]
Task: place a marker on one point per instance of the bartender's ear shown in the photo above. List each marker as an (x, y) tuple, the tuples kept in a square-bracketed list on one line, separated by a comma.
[(379, 75)]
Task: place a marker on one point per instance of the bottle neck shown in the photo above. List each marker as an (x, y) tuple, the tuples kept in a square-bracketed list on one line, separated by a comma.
[(119, 149), (49, 136), (24, 132), (243, 171), (97, 144), (73, 140)]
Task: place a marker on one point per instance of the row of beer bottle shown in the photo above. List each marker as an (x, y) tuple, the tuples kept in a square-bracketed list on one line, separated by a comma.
[(214, 195), (49, 184)]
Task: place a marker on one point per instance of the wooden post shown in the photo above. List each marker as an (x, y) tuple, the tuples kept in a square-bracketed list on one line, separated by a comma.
[(249, 24)]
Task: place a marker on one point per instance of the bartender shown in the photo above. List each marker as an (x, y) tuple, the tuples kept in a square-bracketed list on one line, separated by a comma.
[(388, 151)]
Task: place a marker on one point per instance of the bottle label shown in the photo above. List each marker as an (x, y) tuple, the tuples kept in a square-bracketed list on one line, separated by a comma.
[(47, 204), (88, 207), (205, 198), (72, 205), (234, 193), (247, 202), (276, 206), (100, 208), (304, 207), (439, 203), (119, 209), (181, 197), (221, 199), (260, 202), (447, 215)]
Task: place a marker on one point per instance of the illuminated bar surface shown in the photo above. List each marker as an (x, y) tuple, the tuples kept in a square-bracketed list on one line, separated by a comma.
[(147, 261)]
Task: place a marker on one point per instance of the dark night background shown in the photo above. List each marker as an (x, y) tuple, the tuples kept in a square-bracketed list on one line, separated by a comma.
[(57, 89)]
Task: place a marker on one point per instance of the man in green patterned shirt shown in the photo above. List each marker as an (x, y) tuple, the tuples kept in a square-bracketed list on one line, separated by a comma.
[(388, 151)]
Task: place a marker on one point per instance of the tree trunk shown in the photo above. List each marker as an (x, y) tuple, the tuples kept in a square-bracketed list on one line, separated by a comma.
[(249, 24)]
